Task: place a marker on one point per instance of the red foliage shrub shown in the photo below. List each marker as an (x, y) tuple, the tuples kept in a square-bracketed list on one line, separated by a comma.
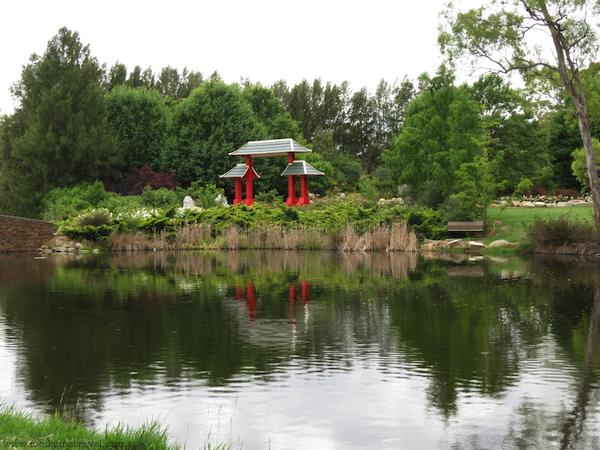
[(135, 180)]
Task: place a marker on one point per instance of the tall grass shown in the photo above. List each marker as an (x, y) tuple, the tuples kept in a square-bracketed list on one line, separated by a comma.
[(563, 234), (200, 236), (22, 430)]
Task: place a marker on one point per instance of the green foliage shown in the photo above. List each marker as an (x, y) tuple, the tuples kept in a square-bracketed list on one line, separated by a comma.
[(96, 217), (139, 118), (578, 166), (524, 186), (61, 203), (89, 232), (160, 198), (437, 134), (351, 172), (357, 125), (212, 122), (203, 194), (477, 182), (427, 223), (320, 185), (368, 189), (58, 136), (270, 197)]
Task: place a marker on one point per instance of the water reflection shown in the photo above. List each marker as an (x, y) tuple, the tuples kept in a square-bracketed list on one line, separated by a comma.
[(366, 348)]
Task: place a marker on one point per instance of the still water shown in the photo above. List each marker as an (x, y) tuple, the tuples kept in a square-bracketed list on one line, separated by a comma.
[(309, 350)]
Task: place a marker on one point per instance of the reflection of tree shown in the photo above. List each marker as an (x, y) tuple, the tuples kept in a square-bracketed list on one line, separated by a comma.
[(573, 427), (100, 324)]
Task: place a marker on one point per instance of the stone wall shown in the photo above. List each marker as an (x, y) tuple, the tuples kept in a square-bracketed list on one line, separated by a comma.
[(18, 234)]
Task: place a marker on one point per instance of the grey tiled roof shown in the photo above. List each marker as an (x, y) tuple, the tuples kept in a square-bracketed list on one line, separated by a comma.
[(238, 172), (300, 167), (273, 147)]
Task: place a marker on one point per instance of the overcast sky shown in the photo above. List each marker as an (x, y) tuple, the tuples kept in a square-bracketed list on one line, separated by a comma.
[(263, 40)]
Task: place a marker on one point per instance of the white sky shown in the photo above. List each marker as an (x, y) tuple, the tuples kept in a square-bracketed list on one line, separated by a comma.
[(263, 40)]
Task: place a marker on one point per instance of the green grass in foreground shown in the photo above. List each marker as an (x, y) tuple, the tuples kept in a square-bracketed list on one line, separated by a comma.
[(19, 430), (514, 221)]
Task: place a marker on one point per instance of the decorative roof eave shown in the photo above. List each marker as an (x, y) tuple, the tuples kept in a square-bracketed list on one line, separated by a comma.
[(272, 147), (239, 171), (300, 167)]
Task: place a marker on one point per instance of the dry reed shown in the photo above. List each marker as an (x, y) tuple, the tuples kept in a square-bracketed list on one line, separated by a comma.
[(201, 236), (129, 242)]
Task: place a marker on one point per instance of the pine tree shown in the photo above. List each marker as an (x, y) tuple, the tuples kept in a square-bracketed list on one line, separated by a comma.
[(57, 136)]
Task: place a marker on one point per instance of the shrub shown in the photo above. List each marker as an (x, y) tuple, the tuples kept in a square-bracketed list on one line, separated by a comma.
[(159, 198), (95, 217), (562, 234), (89, 232), (62, 203), (204, 195), (135, 181), (270, 197)]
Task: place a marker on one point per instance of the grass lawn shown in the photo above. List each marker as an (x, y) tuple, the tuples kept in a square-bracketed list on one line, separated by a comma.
[(511, 223)]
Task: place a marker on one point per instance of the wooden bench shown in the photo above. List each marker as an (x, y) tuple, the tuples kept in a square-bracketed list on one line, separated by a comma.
[(474, 225)]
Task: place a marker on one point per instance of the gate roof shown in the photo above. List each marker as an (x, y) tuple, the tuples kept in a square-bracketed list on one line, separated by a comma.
[(272, 147)]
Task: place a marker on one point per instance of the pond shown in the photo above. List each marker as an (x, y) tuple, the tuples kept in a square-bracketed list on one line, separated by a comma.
[(306, 350)]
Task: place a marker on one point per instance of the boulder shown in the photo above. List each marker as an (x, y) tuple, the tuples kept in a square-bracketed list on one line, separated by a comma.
[(515, 203), (475, 246), (528, 204), (501, 243), (539, 204), (456, 243)]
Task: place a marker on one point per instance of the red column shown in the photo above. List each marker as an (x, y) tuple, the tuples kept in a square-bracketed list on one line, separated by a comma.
[(292, 200), (250, 300), (238, 191), (304, 200), (249, 175), (304, 285)]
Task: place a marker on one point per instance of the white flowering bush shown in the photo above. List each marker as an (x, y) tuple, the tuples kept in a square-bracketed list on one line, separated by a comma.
[(143, 213)]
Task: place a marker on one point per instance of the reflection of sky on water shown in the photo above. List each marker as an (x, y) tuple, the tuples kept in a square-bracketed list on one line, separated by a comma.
[(361, 407)]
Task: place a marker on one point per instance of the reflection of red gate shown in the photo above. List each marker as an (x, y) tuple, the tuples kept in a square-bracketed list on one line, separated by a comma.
[(249, 298), (293, 298)]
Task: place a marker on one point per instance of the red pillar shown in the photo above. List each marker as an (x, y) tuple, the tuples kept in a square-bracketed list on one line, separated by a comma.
[(304, 285), (238, 191), (304, 200), (250, 299), (239, 293), (249, 175), (292, 200)]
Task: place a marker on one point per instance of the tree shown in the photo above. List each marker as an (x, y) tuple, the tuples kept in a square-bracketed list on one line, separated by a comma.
[(514, 129), (57, 136), (212, 122), (578, 165), (437, 134), (501, 34), (269, 110), (139, 118), (477, 182)]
